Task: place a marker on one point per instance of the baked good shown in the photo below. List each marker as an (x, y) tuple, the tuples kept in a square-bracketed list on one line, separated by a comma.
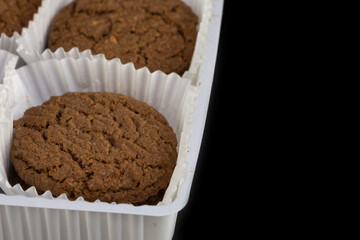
[(102, 146), (16, 14), (159, 34)]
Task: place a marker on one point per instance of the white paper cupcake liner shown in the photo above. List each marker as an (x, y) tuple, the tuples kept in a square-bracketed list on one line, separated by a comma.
[(8, 62), (9, 43), (171, 95), (7, 66), (7, 59), (203, 10), (32, 43), (33, 39)]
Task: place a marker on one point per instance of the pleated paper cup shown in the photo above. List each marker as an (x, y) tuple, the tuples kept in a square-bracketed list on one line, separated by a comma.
[(9, 43), (8, 63), (7, 59), (171, 95), (32, 44)]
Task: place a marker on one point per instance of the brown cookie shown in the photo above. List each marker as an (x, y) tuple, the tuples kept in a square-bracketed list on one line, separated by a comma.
[(96, 145), (159, 34), (16, 14)]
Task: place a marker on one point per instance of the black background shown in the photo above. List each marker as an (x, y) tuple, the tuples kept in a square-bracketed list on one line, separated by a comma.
[(206, 212)]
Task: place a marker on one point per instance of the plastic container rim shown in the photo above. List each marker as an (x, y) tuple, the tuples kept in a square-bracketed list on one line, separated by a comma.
[(205, 79)]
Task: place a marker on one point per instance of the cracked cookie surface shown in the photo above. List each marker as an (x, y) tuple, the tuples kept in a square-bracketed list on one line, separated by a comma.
[(16, 14), (159, 34), (102, 146)]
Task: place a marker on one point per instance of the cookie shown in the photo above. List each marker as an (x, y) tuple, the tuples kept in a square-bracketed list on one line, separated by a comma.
[(102, 146), (159, 34), (16, 14)]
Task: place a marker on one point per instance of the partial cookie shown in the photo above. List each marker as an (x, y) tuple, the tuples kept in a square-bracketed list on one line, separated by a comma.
[(16, 14), (102, 146), (159, 34)]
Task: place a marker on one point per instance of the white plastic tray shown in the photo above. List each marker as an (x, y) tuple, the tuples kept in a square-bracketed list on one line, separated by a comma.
[(80, 220)]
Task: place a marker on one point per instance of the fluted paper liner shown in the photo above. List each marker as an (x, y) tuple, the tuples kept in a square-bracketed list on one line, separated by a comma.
[(7, 59), (9, 43), (171, 95), (33, 41), (7, 64)]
